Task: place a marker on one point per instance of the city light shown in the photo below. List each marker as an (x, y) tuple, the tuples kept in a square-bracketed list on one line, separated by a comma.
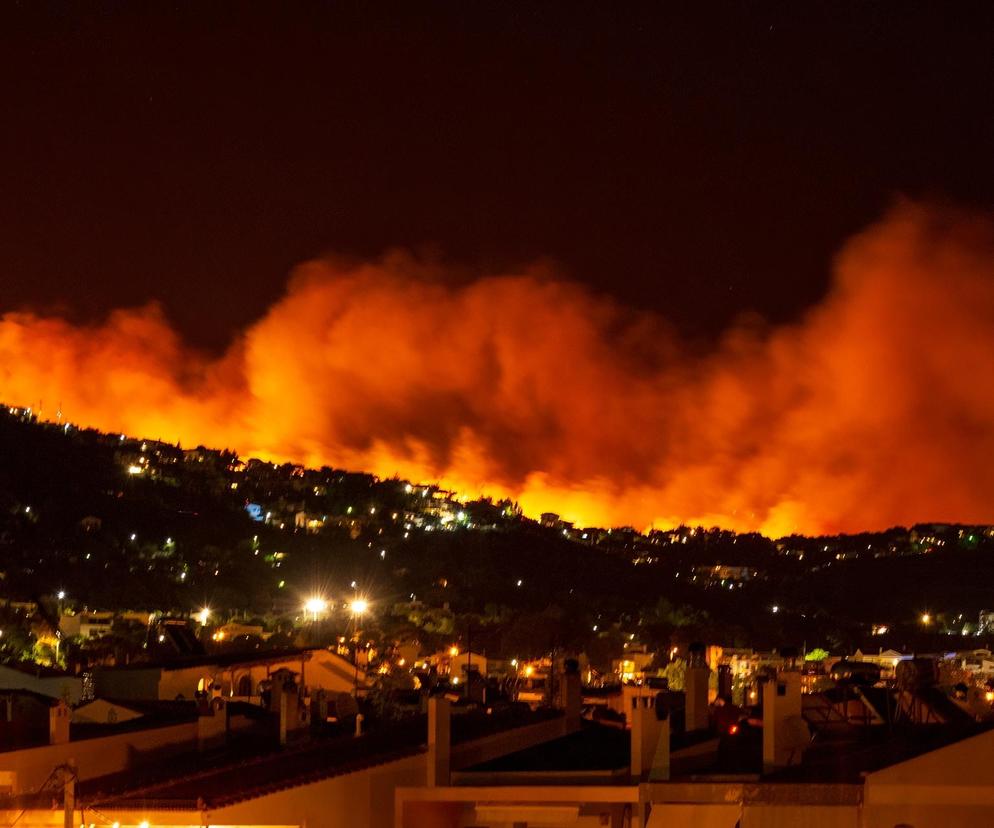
[(315, 605), (203, 615), (926, 619), (453, 651), (61, 594), (359, 606)]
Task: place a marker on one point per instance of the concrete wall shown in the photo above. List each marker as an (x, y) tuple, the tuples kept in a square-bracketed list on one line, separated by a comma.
[(363, 798), (104, 817), (584, 806), (952, 786), (810, 816), (122, 683), (366, 797), (183, 682), (97, 757)]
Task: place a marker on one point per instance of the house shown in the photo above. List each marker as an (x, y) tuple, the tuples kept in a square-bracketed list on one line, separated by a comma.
[(231, 675), (46, 681), (754, 774), (462, 662), (332, 782), (86, 624), (103, 711), (887, 660), (28, 718)]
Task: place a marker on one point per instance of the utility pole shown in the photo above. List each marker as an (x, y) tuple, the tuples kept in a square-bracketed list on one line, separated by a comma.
[(67, 775), (469, 657), (69, 801)]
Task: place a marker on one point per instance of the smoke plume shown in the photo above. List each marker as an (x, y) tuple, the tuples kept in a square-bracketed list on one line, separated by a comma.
[(876, 409)]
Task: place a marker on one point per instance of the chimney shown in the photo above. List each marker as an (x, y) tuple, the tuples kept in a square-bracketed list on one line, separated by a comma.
[(785, 733), (439, 741), (58, 723), (569, 689), (212, 725), (319, 708), (650, 756), (696, 690), (284, 714)]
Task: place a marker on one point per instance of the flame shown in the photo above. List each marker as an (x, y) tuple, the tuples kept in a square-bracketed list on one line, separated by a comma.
[(874, 410)]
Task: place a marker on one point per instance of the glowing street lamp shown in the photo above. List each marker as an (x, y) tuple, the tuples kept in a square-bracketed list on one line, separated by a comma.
[(926, 619), (315, 606), (358, 607), (203, 615)]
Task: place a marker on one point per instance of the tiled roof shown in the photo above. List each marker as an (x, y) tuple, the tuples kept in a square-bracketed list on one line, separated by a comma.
[(317, 759)]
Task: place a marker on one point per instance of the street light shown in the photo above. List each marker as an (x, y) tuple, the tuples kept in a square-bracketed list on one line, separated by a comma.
[(358, 607), (926, 619), (316, 606)]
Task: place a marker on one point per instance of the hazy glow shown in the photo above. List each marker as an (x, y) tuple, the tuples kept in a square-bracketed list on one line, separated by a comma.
[(873, 410), (315, 605), (359, 606)]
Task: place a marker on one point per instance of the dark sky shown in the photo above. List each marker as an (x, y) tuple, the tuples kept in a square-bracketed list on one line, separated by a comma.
[(702, 166)]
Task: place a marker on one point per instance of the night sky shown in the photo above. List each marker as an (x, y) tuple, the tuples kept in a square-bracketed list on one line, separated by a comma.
[(194, 153)]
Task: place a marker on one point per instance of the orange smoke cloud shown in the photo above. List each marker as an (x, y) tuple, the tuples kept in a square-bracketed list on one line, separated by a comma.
[(877, 409)]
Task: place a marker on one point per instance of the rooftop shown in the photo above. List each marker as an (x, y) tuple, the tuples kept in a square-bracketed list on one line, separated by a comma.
[(224, 659), (232, 778)]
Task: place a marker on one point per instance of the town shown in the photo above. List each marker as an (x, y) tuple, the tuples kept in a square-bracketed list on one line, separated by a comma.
[(160, 601)]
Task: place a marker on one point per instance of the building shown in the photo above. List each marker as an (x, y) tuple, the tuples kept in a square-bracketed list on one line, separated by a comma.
[(238, 676), (338, 781), (742, 776), (86, 624), (793, 760), (45, 681)]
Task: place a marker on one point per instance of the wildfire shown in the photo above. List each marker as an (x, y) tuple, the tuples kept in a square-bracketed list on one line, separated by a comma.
[(874, 410)]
